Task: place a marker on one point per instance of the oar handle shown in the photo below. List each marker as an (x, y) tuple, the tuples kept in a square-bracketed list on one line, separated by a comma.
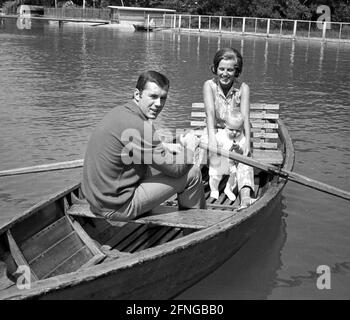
[(285, 174), (318, 185), (43, 168)]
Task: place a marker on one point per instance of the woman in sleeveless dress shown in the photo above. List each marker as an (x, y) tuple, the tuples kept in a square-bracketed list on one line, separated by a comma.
[(224, 95)]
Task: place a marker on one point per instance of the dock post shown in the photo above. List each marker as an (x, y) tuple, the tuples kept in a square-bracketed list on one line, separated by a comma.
[(220, 23), (243, 26), (60, 23), (199, 23), (324, 31), (256, 25), (295, 28), (179, 22), (281, 28), (268, 28)]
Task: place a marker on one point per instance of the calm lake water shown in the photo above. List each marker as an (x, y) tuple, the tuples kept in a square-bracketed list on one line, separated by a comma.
[(57, 83)]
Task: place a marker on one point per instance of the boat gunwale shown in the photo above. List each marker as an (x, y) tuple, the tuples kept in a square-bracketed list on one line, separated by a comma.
[(60, 282)]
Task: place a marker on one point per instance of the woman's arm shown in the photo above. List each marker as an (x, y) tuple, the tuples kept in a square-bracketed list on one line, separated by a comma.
[(245, 110), (210, 113)]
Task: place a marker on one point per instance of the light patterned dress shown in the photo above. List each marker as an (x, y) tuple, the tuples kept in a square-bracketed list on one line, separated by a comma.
[(224, 105)]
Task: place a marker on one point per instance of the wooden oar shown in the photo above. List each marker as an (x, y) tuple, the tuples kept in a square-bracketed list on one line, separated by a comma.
[(289, 175), (43, 167)]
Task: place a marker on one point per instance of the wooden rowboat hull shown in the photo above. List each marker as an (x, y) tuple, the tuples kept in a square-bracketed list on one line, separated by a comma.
[(139, 27), (158, 272), (166, 274)]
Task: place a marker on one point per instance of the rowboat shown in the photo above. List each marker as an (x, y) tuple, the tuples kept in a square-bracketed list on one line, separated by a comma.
[(58, 249), (142, 27)]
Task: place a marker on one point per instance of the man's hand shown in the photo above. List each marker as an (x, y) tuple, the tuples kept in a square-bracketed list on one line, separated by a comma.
[(189, 141), (174, 148)]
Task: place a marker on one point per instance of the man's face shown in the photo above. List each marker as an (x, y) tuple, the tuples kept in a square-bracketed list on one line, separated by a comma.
[(151, 100)]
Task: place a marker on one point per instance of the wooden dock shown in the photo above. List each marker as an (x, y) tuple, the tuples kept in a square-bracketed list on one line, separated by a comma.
[(60, 20)]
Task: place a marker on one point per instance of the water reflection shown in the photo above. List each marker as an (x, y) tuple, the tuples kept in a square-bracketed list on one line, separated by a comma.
[(242, 46), (252, 272), (219, 42), (24, 23), (266, 52), (198, 46), (337, 59), (321, 57), (291, 57), (307, 52)]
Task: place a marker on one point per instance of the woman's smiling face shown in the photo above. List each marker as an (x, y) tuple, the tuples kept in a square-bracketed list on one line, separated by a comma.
[(225, 72)]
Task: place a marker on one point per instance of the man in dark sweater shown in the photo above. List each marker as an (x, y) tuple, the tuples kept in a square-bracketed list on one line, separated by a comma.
[(127, 169)]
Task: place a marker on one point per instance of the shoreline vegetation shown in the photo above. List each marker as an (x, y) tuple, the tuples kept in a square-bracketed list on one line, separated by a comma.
[(294, 22), (311, 10)]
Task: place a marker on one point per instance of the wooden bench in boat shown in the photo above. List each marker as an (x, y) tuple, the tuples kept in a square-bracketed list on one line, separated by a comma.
[(264, 126), (164, 216)]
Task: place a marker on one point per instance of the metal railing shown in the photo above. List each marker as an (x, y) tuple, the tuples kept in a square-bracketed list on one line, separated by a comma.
[(78, 13), (284, 28)]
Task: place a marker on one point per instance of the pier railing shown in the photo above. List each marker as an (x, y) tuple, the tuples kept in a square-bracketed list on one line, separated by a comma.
[(78, 13), (284, 28)]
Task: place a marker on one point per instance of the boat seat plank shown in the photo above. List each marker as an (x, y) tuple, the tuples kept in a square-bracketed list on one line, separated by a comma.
[(192, 218), (175, 218)]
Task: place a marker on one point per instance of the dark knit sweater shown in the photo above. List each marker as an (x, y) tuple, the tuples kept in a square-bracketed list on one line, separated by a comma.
[(111, 173)]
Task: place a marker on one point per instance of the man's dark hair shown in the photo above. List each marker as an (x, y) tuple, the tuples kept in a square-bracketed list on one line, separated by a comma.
[(152, 76)]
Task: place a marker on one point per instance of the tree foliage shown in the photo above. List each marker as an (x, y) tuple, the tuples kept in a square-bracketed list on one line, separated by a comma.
[(287, 9)]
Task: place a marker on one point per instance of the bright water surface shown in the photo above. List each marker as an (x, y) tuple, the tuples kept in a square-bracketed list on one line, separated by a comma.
[(57, 83)]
